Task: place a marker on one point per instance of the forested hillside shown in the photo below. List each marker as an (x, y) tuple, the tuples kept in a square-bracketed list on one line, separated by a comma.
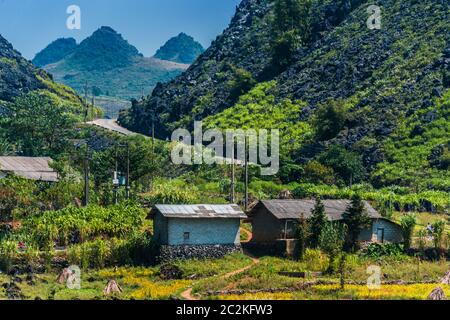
[(376, 100)]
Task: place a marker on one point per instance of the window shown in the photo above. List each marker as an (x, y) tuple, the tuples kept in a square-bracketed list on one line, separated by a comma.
[(186, 236)]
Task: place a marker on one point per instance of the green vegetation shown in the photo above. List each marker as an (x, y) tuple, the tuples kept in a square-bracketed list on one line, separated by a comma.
[(38, 125), (408, 223), (330, 119), (355, 219), (317, 223), (331, 242), (292, 28), (113, 65), (259, 109), (181, 49), (75, 225), (416, 152)]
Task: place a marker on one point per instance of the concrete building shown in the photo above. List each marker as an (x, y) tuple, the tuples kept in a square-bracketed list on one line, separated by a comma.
[(197, 231), (275, 220)]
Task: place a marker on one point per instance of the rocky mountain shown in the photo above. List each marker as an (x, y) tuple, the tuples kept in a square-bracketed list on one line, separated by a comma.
[(55, 51), (19, 76), (181, 49), (106, 61), (391, 84)]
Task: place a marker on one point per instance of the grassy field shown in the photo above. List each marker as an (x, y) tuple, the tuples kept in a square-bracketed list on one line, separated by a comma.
[(206, 277)]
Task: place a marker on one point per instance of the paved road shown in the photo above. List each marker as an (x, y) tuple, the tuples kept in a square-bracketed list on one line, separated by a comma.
[(112, 125)]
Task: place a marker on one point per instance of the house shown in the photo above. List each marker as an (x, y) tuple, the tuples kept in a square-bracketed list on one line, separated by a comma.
[(197, 231), (275, 220), (29, 168)]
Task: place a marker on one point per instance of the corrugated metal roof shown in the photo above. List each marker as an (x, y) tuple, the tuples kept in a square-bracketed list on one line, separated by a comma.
[(293, 209), (201, 211), (31, 168)]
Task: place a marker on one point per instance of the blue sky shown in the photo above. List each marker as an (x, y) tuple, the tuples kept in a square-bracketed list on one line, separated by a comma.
[(30, 25)]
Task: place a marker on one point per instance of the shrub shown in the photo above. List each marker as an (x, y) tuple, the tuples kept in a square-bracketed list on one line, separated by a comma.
[(330, 119), (331, 241), (315, 172), (348, 165), (378, 250), (8, 251), (137, 250), (438, 233), (75, 225), (315, 260), (171, 192), (408, 223)]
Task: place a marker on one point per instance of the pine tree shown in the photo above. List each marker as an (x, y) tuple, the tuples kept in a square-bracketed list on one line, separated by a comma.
[(356, 219), (317, 222)]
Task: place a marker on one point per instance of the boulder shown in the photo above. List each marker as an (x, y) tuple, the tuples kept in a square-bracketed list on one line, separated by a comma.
[(446, 278), (112, 288), (437, 294)]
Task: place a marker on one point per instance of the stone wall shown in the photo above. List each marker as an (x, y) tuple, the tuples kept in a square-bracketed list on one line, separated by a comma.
[(168, 253)]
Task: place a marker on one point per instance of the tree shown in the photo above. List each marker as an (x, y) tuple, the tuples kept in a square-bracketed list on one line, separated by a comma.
[(317, 173), (330, 119), (284, 49), (292, 15), (348, 165), (331, 242), (6, 148), (39, 125), (408, 222), (291, 28), (302, 235), (438, 233), (356, 219), (342, 269), (317, 222), (96, 91), (241, 83)]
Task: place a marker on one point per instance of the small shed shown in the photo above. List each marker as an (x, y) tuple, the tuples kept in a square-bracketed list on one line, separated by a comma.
[(197, 230), (275, 220), (33, 168)]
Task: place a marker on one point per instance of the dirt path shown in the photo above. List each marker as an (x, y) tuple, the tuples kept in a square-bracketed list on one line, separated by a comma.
[(187, 294)]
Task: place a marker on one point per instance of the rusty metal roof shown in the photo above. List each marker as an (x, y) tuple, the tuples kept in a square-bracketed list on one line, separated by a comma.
[(293, 209), (201, 211), (30, 168)]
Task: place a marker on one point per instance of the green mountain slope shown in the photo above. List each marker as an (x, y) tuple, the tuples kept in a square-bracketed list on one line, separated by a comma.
[(18, 76), (55, 51), (378, 84), (181, 49), (108, 62)]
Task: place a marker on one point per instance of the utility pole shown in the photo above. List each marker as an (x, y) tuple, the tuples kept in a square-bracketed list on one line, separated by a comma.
[(93, 97), (233, 174), (153, 148), (86, 177), (86, 101), (116, 181), (246, 174), (128, 172)]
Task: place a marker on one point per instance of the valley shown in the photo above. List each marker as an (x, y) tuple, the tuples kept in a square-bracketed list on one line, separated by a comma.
[(358, 208)]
